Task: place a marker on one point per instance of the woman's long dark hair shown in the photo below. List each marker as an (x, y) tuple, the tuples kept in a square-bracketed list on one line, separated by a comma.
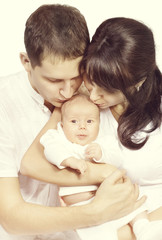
[(120, 56)]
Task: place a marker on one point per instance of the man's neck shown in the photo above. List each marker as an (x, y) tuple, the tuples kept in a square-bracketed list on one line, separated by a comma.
[(49, 105)]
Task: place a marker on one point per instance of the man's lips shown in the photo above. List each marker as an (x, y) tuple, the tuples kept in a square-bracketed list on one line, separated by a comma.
[(61, 101)]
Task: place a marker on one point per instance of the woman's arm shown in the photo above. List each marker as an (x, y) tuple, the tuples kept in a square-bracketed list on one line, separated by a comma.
[(126, 233), (155, 215), (35, 165)]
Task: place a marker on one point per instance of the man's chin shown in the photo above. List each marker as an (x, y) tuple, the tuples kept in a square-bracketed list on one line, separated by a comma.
[(57, 104)]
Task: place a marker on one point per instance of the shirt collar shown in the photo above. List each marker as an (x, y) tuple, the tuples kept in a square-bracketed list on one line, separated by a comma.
[(35, 95)]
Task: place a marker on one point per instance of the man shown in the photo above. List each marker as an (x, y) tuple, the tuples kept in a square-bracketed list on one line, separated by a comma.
[(56, 37)]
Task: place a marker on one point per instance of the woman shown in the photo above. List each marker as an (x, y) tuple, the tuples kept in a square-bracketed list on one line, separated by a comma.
[(124, 81)]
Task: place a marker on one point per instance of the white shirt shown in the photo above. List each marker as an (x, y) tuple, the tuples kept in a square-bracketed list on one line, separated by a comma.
[(143, 166), (22, 116)]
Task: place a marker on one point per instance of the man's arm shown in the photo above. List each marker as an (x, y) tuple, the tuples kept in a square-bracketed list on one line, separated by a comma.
[(19, 217)]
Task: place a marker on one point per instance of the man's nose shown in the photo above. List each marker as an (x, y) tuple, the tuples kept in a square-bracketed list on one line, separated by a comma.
[(66, 91)]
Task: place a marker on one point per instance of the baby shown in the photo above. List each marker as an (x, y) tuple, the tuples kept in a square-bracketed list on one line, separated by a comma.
[(76, 140)]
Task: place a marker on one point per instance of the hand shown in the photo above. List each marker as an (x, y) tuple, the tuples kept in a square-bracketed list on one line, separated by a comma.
[(93, 151), (115, 200), (78, 164)]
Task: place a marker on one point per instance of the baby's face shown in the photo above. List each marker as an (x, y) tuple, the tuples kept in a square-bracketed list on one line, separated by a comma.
[(81, 122)]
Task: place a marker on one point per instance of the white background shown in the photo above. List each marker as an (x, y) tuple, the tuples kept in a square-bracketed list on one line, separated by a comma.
[(13, 15)]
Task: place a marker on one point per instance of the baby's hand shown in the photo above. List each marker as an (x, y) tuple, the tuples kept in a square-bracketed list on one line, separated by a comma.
[(78, 164), (93, 151)]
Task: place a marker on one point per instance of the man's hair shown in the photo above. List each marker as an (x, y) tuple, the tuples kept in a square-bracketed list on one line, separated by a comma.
[(59, 31)]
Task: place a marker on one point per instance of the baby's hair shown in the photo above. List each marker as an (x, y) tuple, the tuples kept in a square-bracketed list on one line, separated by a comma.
[(75, 98)]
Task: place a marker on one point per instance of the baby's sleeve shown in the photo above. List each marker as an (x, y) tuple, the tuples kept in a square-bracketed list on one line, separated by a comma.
[(55, 150)]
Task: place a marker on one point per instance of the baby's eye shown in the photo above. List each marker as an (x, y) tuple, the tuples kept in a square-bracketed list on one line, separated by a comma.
[(74, 121), (89, 121)]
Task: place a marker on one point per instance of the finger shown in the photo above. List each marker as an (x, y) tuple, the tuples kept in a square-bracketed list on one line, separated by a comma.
[(136, 191), (83, 168), (87, 148), (63, 204), (140, 202), (82, 171), (90, 148), (114, 177)]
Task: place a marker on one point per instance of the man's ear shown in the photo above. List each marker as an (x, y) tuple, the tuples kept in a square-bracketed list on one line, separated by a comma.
[(25, 61)]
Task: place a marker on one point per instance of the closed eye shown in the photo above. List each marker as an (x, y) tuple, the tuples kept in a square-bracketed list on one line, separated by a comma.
[(55, 80)]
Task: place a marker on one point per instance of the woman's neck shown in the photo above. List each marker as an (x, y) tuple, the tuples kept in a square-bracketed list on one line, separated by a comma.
[(118, 110)]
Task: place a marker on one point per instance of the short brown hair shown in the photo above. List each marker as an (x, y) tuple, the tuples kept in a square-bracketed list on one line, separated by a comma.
[(56, 30)]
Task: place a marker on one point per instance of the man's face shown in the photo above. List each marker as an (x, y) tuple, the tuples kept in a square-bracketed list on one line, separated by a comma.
[(56, 82)]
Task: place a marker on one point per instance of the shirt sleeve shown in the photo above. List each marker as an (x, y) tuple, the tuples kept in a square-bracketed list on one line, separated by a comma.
[(56, 148), (111, 152), (8, 166)]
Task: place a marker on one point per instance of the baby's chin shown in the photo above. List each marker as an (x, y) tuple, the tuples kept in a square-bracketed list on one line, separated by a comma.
[(82, 140)]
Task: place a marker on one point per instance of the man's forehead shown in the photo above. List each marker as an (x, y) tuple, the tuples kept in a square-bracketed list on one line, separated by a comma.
[(62, 69)]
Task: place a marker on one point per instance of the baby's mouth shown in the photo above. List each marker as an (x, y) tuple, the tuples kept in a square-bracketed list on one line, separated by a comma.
[(81, 136)]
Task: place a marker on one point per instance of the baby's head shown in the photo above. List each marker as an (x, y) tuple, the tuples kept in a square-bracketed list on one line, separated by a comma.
[(80, 119)]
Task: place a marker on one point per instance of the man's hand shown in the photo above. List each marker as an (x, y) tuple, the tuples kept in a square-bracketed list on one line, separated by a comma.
[(117, 199)]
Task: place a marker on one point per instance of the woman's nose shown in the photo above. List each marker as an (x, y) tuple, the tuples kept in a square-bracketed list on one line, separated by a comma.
[(93, 96)]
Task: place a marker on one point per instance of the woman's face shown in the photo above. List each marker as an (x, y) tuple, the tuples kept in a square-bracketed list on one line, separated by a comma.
[(102, 98)]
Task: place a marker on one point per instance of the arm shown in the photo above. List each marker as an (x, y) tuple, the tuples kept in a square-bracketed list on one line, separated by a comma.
[(35, 165), (125, 232), (19, 217), (79, 165), (155, 215)]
